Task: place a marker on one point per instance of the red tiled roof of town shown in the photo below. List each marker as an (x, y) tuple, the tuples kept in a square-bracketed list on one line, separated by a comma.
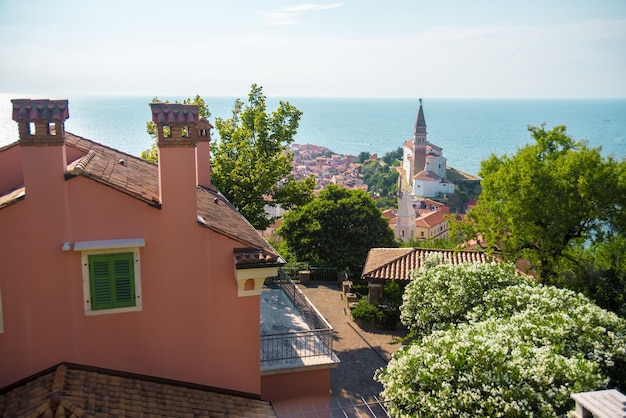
[(430, 219), (390, 213), (398, 263), (69, 390), (426, 175)]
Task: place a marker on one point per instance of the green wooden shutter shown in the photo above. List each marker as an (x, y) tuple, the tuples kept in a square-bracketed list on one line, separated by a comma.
[(124, 279), (100, 278), (112, 280)]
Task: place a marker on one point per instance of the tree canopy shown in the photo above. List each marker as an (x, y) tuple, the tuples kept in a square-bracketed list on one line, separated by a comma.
[(337, 228), (251, 162), (493, 343), (548, 200)]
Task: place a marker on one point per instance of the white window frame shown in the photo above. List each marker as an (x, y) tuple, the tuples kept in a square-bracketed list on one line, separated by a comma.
[(88, 248)]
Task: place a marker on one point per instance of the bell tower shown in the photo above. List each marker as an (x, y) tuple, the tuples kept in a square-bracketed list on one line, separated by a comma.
[(419, 142)]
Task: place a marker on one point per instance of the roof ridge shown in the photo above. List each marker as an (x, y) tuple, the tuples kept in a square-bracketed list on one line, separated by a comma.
[(82, 162), (58, 383)]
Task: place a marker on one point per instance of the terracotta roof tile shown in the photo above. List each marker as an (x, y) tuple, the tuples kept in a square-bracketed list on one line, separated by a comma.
[(78, 391), (398, 263), (139, 178), (426, 175), (12, 197), (174, 113), (42, 109), (250, 257), (431, 219)]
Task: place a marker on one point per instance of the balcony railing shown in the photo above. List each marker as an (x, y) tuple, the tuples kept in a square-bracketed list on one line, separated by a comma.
[(299, 347)]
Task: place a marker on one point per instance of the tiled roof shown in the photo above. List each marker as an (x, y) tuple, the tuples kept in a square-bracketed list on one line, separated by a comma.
[(174, 113), (12, 197), (139, 178), (71, 390), (398, 263), (431, 219), (253, 258), (43, 109), (116, 169), (426, 175)]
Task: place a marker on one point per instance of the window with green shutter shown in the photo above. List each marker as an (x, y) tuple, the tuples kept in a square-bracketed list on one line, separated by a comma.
[(112, 280)]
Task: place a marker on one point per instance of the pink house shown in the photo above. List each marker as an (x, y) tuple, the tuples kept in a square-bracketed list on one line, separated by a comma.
[(113, 262)]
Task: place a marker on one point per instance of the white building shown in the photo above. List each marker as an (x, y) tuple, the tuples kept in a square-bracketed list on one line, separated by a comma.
[(423, 163)]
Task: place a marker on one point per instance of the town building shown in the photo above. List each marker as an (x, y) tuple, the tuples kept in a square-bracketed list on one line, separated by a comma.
[(418, 219), (424, 168), (397, 264), (131, 273)]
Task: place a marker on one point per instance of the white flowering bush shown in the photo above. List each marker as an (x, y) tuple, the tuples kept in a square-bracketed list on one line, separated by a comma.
[(442, 294), (484, 369), (497, 344), (568, 320)]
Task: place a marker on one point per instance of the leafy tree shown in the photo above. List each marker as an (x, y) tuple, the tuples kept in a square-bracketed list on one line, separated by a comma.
[(438, 243), (499, 344), (363, 156), (252, 162), (547, 200), (337, 228), (602, 274), (382, 179), (393, 158)]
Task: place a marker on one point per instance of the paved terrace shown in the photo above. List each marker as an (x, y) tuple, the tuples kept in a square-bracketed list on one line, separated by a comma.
[(360, 351), (287, 339)]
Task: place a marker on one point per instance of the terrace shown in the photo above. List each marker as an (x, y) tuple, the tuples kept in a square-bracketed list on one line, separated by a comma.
[(293, 332)]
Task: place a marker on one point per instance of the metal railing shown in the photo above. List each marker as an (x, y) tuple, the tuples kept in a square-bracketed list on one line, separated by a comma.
[(296, 345), (344, 408), (323, 274), (287, 347)]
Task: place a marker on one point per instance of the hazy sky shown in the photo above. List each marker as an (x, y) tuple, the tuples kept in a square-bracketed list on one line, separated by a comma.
[(361, 48)]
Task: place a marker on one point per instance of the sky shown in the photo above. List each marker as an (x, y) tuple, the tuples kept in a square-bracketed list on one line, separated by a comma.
[(309, 48)]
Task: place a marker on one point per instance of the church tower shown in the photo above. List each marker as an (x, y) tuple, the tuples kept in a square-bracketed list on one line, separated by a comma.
[(405, 218), (419, 142)]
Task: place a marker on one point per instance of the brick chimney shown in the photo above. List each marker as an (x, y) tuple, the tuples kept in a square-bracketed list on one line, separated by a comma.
[(41, 125), (203, 153), (177, 137)]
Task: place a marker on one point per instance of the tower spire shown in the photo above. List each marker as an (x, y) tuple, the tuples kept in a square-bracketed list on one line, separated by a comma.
[(419, 141)]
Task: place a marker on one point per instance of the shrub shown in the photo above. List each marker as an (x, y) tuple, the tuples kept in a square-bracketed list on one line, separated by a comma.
[(497, 344), (379, 316)]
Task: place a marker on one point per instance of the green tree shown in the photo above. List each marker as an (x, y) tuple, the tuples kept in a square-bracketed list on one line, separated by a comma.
[(363, 156), (393, 158), (337, 228), (547, 200), (251, 160), (382, 179), (252, 163), (499, 344)]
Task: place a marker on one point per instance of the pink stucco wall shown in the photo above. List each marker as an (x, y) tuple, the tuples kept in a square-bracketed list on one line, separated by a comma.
[(193, 327), (11, 168), (303, 389)]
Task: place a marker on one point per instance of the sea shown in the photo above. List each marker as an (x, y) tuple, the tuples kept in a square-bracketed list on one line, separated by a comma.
[(468, 130)]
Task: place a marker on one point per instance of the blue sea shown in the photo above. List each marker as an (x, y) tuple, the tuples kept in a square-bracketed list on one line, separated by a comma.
[(468, 130)]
